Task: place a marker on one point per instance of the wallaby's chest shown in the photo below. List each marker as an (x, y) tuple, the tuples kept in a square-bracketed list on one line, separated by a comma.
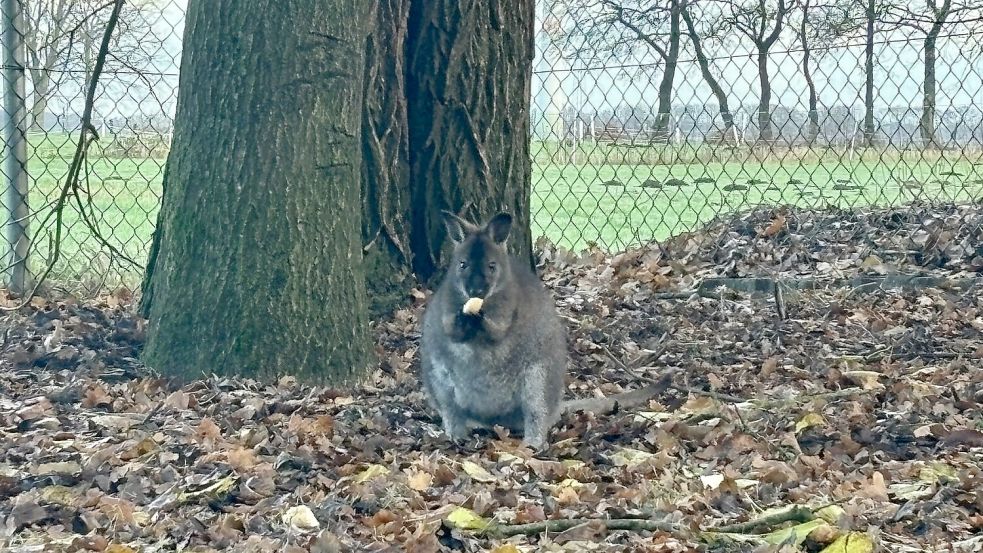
[(479, 372)]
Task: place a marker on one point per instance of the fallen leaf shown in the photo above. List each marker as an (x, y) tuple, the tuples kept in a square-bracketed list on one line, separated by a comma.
[(466, 519), (370, 472), (300, 518), (419, 480), (852, 542), (809, 420), (477, 472)]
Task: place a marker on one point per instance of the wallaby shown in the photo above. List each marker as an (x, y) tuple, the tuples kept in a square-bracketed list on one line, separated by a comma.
[(493, 349)]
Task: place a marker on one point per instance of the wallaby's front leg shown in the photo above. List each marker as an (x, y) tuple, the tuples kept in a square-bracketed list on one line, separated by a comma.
[(460, 327), (497, 323), (455, 425)]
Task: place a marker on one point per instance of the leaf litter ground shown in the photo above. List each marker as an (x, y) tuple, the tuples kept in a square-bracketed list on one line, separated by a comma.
[(843, 419)]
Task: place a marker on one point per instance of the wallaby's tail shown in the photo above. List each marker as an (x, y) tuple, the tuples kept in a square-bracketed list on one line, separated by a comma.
[(627, 400)]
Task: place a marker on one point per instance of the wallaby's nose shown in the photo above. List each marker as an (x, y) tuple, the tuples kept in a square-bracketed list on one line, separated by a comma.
[(477, 291)]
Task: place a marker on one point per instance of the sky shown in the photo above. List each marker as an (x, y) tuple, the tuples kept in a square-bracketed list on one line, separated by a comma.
[(838, 74)]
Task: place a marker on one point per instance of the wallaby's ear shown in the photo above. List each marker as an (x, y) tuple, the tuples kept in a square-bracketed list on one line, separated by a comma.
[(457, 228), (498, 227)]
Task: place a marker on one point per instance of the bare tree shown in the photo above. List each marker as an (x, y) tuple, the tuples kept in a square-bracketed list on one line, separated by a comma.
[(710, 29), (930, 19), (655, 25), (762, 22), (805, 33), (840, 20), (60, 36)]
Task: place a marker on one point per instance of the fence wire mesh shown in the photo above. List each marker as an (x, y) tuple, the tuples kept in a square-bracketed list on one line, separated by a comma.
[(55, 53), (650, 119)]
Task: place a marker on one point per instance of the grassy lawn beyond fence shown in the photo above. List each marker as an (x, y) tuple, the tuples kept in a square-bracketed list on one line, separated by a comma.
[(614, 197)]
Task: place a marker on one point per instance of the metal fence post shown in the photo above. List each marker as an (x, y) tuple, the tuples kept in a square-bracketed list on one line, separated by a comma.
[(13, 119)]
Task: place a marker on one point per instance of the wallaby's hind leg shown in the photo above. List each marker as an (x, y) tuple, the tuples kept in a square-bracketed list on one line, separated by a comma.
[(441, 397), (537, 418)]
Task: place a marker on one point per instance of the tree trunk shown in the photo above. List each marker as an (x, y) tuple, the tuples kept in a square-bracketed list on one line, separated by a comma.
[(927, 125), (764, 107), (668, 76), (469, 72), (871, 15), (386, 194), (40, 85), (256, 266), (813, 131), (704, 63)]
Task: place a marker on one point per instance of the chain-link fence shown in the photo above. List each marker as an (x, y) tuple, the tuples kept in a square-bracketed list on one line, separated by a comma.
[(51, 49), (650, 119)]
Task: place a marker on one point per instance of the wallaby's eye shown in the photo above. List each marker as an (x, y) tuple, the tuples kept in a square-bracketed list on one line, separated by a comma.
[(464, 265), (492, 266)]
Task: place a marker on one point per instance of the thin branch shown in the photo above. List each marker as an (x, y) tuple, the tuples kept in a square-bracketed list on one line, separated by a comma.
[(86, 136), (633, 524), (795, 514)]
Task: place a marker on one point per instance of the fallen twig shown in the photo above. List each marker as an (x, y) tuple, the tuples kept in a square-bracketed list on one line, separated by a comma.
[(634, 524), (794, 514)]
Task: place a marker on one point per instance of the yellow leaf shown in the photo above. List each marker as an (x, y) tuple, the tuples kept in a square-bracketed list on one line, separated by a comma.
[(572, 464), (830, 513), (797, 533), (809, 419), (571, 483), (214, 490), (506, 457), (419, 480), (466, 519), (911, 490), (853, 542), (477, 472), (60, 495), (743, 483), (651, 416), (627, 457), (119, 548), (869, 380), (301, 518), (372, 471), (938, 472), (507, 548)]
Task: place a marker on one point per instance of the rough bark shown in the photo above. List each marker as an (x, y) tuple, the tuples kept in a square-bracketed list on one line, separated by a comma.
[(704, 62), (870, 15), (752, 22), (256, 266), (39, 98), (669, 74), (386, 196), (927, 125), (669, 53), (813, 130), (765, 132), (469, 71)]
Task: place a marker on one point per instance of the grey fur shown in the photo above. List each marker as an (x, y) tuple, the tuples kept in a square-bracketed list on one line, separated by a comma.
[(506, 365)]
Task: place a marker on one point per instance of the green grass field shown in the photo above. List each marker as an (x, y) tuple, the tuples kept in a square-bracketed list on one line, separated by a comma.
[(617, 199), (609, 196)]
